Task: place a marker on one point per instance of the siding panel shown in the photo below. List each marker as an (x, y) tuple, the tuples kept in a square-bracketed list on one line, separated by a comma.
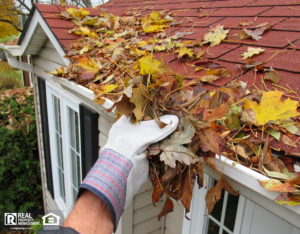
[(105, 125), (45, 64), (49, 44), (52, 55), (174, 220), (142, 200), (173, 226), (147, 226), (146, 212), (102, 139)]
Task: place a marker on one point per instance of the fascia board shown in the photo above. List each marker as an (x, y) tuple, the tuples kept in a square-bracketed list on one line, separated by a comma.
[(83, 91), (246, 181), (36, 20)]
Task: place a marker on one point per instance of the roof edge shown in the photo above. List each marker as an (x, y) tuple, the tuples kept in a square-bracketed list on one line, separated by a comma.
[(27, 23)]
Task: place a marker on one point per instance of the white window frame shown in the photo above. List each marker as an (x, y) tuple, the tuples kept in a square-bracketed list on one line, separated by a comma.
[(198, 214), (65, 102)]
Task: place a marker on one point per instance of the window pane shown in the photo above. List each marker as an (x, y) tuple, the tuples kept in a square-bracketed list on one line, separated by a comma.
[(77, 132), (61, 153), (231, 209), (72, 128), (217, 211), (78, 172), (224, 232), (62, 185), (58, 151), (57, 119), (74, 168), (213, 228)]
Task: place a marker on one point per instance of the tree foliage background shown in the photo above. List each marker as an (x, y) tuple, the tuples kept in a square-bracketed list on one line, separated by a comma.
[(9, 19)]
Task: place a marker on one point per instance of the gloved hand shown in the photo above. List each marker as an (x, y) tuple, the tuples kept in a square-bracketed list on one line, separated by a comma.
[(122, 166)]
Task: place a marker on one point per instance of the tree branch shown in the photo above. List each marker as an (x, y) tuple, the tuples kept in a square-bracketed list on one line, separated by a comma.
[(78, 3), (87, 3), (15, 8), (13, 24), (24, 5)]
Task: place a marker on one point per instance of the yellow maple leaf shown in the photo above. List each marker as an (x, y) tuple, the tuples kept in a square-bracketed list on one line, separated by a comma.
[(184, 50), (84, 31), (140, 52), (155, 16), (142, 43), (106, 88), (149, 28), (85, 49), (157, 67), (58, 72), (92, 34), (216, 35), (271, 108), (181, 44), (160, 47), (251, 51), (139, 100), (81, 13), (154, 22), (88, 64)]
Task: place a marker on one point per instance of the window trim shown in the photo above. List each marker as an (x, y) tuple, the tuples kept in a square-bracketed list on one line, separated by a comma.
[(198, 221), (65, 102)]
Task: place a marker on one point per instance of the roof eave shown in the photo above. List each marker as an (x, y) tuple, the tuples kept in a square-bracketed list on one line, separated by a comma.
[(36, 33), (27, 23)]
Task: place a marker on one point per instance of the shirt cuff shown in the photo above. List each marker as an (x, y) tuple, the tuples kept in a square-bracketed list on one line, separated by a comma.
[(108, 180)]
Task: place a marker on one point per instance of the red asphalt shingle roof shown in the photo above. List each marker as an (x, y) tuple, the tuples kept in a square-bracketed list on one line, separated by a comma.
[(283, 35)]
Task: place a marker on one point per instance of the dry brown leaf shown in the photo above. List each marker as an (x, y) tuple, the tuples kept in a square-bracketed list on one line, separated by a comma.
[(188, 190), (209, 78), (168, 207), (241, 151), (272, 76), (288, 141), (248, 117), (218, 113), (213, 195)]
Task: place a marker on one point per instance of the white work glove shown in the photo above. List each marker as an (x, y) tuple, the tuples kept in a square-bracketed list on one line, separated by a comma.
[(122, 166), (131, 140)]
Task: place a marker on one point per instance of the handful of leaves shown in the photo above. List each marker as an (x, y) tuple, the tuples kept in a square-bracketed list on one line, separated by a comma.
[(235, 121)]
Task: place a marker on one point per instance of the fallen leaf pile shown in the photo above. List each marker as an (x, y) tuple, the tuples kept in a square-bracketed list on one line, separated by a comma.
[(235, 121)]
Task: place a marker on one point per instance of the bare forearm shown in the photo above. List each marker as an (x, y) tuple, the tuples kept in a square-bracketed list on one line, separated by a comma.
[(90, 215)]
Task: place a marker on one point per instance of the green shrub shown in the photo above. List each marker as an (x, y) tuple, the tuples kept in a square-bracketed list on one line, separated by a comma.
[(20, 181)]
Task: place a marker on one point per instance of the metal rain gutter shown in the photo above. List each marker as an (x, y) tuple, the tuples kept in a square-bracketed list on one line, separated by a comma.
[(12, 52), (240, 177)]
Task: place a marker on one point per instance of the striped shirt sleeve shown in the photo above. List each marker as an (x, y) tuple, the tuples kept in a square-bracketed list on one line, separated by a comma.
[(108, 179)]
